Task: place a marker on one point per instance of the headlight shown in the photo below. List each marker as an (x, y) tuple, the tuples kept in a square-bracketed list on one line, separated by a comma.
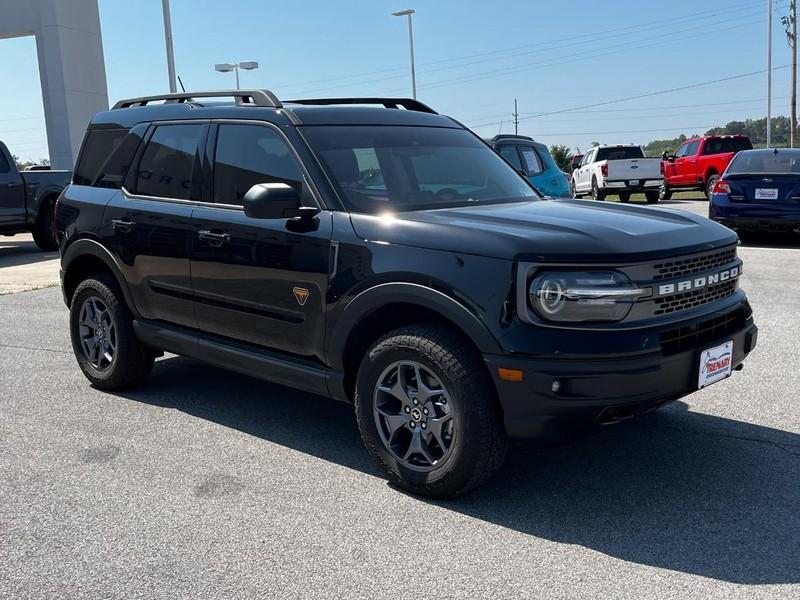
[(583, 296)]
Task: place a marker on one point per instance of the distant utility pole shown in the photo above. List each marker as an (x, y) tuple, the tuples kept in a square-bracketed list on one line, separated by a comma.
[(516, 118), (769, 73), (790, 23)]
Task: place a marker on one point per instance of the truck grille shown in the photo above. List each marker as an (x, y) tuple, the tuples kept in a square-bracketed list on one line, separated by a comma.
[(684, 300), (699, 334), (694, 264)]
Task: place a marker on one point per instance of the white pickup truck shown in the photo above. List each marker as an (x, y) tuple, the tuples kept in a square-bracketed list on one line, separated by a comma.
[(621, 170)]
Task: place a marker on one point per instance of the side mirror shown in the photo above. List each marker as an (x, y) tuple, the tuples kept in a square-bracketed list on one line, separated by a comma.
[(664, 155), (275, 201), (671, 158)]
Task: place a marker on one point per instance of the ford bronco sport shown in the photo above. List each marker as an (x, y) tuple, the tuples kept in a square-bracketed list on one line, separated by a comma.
[(374, 251)]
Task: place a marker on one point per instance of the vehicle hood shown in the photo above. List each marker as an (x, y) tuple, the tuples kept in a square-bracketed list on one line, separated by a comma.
[(556, 230)]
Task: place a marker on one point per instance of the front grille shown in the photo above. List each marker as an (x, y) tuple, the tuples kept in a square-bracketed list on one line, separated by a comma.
[(694, 264), (695, 336), (684, 300)]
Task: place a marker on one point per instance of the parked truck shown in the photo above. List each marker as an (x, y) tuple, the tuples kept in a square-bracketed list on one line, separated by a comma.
[(698, 163), (28, 199), (621, 170)]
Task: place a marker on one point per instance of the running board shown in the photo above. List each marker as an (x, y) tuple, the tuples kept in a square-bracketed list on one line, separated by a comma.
[(285, 370)]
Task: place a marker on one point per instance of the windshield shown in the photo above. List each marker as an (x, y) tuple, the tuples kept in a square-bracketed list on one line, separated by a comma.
[(765, 162), (389, 168)]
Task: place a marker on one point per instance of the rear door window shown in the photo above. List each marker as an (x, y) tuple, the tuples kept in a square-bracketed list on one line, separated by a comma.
[(250, 154), (169, 162), (509, 152)]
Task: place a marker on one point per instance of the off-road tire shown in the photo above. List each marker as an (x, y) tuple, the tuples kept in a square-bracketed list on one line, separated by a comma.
[(43, 231), (479, 443), (132, 361)]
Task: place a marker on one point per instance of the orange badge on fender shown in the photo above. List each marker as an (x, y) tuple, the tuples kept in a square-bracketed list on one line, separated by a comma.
[(301, 294)]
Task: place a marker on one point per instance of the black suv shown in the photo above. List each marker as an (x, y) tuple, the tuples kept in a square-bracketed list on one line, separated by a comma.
[(374, 251)]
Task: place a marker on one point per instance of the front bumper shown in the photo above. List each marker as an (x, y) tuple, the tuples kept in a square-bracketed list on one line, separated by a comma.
[(602, 391)]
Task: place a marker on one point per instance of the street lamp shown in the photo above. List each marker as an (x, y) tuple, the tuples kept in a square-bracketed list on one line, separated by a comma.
[(407, 13), (247, 65)]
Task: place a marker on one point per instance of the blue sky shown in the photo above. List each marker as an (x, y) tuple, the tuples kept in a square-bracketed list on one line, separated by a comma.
[(473, 59)]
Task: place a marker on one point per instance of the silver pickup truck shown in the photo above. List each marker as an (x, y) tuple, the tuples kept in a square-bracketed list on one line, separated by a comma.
[(622, 169), (28, 198)]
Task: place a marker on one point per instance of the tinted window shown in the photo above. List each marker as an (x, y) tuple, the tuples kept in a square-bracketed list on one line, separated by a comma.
[(533, 165), (168, 162), (614, 153), (99, 145), (419, 168), (247, 155), (765, 162), (511, 155), (724, 145)]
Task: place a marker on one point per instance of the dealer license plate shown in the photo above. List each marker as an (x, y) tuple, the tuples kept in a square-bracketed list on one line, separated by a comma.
[(715, 364), (766, 193)]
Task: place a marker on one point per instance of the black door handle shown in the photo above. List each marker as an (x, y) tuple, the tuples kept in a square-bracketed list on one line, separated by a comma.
[(123, 226), (214, 239)]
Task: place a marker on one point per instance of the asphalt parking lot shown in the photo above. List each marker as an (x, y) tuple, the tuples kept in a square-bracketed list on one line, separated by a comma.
[(206, 484)]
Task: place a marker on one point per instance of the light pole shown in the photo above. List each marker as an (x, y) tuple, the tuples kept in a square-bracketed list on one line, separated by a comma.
[(769, 73), (168, 39), (247, 65), (407, 13)]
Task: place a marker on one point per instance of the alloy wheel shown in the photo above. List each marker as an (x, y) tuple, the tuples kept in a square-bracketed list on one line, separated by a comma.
[(98, 333), (413, 415)]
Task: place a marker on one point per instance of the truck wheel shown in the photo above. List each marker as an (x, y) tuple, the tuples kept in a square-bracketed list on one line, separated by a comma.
[(710, 183), (664, 193), (101, 327), (652, 197), (44, 234), (597, 193), (428, 412), (625, 197), (572, 189)]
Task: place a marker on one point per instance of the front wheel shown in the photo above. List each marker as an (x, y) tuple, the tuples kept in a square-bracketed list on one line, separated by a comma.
[(664, 193), (105, 345), (428, 412)]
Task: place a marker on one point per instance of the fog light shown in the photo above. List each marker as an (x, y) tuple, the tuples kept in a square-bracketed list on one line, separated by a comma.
[(556, 386)]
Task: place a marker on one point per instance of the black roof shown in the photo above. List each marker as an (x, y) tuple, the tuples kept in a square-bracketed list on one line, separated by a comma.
[(262, 105)]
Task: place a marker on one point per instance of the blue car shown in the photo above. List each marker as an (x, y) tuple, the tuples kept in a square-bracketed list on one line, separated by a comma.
[(532, 159), (759, 191)]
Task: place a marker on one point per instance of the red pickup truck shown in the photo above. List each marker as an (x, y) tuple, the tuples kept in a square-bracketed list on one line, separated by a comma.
[(698, 163)]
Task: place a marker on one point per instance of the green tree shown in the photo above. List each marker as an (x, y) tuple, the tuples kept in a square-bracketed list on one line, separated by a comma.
[(561, 155)]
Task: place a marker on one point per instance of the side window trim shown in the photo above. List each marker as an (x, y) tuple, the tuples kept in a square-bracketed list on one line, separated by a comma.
[(309, 188)]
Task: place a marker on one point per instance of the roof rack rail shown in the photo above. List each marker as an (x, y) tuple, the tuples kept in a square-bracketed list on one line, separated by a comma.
[(407, 103), (512, 136), (242, 97)]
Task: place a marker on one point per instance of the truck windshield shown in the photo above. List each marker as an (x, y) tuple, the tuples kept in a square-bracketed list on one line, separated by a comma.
[(397, 168), (619, 153)]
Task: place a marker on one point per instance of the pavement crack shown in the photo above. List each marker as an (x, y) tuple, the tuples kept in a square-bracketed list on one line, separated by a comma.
[(19, 347), (793, 449)]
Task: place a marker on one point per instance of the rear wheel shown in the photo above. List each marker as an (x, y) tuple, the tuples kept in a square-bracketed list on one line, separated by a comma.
[(44, 234), (651, 197), (572, 189), (710, 183), (428, 412), (597, 193), (103, 340), (624, 196)]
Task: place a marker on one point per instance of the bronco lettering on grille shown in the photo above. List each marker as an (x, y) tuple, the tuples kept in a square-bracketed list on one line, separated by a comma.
[(699, 282)]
